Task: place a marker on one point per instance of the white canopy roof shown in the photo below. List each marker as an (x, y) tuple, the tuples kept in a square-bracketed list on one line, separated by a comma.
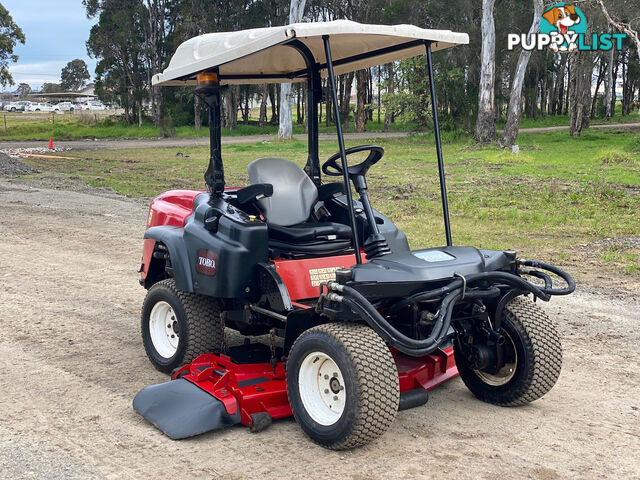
[(260, 55)]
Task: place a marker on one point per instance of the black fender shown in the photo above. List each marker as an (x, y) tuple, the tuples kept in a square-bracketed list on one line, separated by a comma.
[(272, 287), (173, 238), (298, 321)]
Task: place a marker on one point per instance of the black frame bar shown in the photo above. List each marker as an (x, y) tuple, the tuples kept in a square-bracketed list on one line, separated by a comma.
[(436, 131), (314, 95), (345, 173)]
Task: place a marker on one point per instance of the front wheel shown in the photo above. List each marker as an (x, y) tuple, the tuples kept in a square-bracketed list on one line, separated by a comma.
[(178, 326), (342, 384), (532, 356)]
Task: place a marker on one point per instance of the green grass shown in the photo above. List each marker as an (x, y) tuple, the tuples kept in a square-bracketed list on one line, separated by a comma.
[(42, 126), (549, 201), (563, 120)]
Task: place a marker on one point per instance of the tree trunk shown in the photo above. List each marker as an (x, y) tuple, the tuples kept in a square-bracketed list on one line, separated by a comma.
[(328, 105), (565, 108), (299, 118), (613, 84), (379, 99), (514, 111), (486, 122), (262, 119), (285, 129), (272, 100), (543, 95), (608, 83), (197, 118), (345, 101), (580, 91), (594, 101), (245, 110), (390, 86), (561, 85), (361, 88), (551, 94)]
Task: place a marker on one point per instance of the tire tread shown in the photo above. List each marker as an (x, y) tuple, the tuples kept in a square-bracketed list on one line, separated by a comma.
[(377, 377), (204, 330)]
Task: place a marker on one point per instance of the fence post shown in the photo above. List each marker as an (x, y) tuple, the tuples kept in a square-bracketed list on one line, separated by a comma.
[(5, 122)]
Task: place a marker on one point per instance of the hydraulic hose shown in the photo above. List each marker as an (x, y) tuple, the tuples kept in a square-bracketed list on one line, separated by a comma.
[(571, 284), (508, 278), (360, 305)]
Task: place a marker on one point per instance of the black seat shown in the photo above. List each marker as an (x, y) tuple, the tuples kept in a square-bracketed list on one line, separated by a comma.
[(306, 232), (288, 211)]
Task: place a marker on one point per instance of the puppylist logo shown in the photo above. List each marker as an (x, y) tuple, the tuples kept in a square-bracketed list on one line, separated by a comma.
[(563, 28)]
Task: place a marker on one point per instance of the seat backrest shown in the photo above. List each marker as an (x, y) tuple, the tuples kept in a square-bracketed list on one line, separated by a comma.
[(293, 191)]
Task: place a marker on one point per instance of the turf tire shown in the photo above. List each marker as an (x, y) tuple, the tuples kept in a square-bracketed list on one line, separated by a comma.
[(370, 381), (199, 327), (539, 357)]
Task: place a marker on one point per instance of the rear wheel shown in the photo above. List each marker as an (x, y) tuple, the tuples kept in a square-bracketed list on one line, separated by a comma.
[(532, 358), (342, 384), (178, 326)]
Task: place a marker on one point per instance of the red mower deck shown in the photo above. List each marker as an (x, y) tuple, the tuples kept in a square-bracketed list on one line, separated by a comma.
[(254, 394)]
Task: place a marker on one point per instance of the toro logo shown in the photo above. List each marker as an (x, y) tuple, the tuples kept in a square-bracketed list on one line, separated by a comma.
[(207, 262)]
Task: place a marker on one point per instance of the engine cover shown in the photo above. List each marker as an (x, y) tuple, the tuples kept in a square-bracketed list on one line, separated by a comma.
[(429, 265)]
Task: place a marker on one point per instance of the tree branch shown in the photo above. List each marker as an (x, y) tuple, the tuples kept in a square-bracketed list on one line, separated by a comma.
[(622, 27)]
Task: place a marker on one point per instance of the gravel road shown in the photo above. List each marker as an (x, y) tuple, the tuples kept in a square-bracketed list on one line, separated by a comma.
[(72, 360)]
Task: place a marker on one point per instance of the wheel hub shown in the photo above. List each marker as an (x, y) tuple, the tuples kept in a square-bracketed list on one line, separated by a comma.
[(321, 387), (507, 372), (164, 329)]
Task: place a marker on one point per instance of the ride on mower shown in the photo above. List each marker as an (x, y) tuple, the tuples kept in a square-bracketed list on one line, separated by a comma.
[(344, 323)]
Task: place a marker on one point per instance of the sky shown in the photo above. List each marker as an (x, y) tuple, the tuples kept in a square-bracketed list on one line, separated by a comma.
[(56, 32)]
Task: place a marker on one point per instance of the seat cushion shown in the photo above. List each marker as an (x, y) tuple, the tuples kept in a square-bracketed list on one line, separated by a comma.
[(306, 232), (294, 194)]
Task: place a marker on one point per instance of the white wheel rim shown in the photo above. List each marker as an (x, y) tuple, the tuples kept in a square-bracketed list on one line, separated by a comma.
[(163, 329), (321, 388)]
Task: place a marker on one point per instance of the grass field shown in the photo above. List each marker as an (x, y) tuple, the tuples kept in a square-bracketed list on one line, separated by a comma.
[(558, 199), (69, 126)]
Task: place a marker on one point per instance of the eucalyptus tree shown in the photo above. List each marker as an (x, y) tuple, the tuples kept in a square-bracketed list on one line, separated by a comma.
[(10, 36), (514, 110)]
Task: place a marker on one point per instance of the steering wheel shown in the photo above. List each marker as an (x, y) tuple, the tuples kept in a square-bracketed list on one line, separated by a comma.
[(334, 169)]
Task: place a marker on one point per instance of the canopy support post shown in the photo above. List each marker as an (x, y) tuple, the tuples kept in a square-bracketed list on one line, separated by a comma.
[(436, 131), (334, 95), (314, 93), (209, 91)]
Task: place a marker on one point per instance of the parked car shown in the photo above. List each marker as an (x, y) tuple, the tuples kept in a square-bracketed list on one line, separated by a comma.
[(40, 107), (93, 106), (20, 106), (64, 107)]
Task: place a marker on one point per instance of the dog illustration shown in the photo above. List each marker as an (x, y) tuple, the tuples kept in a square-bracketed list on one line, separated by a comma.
[(563, 18)]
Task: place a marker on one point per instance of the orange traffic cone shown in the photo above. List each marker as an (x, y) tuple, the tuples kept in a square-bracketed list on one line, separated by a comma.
[(50, 143)]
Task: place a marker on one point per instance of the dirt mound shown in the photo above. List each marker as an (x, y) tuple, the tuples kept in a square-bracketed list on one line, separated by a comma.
[(13, 166)]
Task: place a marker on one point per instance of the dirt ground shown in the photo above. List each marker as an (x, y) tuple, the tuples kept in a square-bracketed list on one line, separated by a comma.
[(71, 361)]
